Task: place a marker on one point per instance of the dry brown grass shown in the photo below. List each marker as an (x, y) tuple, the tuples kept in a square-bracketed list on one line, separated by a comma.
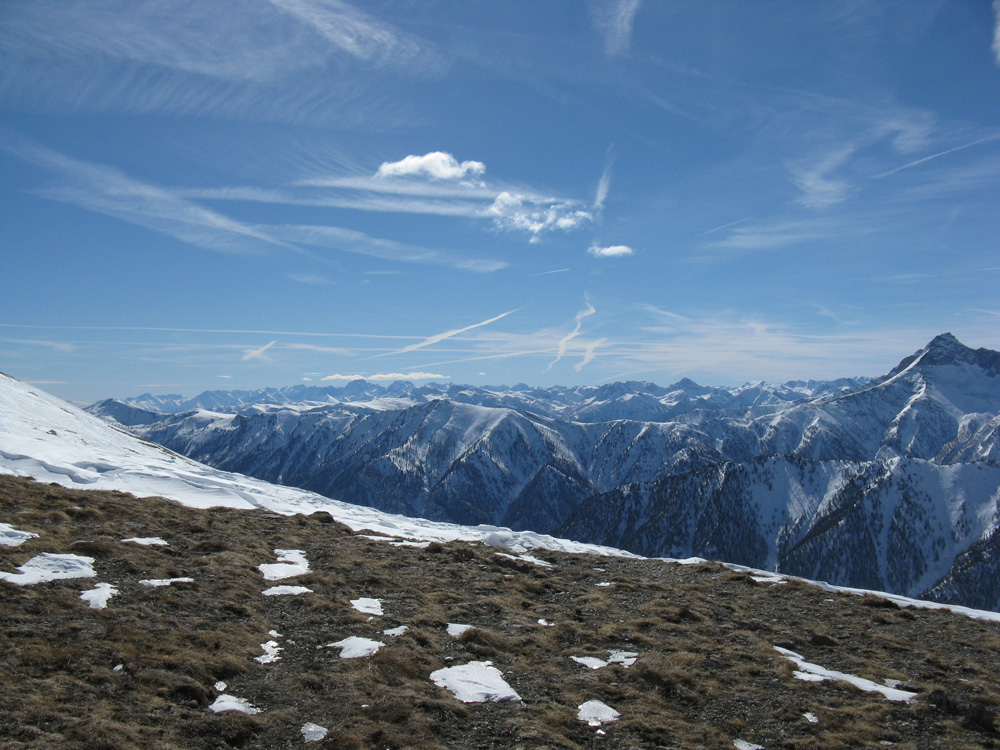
[(707, 672)]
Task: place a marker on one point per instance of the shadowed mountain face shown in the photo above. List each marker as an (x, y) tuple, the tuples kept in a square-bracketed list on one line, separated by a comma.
[(886, 483)]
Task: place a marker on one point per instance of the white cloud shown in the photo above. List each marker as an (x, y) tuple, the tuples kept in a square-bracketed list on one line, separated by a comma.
[(614, 19), (996, 30), (514, 211), (437, 165), (390, 376), (819, 187), (351, 241), (589, 352), (257, 353), (350, 30), (438, 337), (564, 341), (939, 154), (611, 251)]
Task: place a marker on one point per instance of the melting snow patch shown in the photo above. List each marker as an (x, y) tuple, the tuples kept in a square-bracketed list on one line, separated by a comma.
[(291, 562), (11, 537), (98, 596), (526, 558), (475, 682), (220, 686), (393, 632), (455, 629), (354, 647), (625, 658), (604, 584), (545, 623), (231, 703), (164, 581), (367, 606), (313, 732), (286, 591), (596, 713), (744, 745), (271, 649), (816, 673), (589, 661), (147, 541), (811, 718), (50, 567)]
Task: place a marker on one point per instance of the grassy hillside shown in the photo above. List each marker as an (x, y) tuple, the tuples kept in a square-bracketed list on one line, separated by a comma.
[(141, 673)]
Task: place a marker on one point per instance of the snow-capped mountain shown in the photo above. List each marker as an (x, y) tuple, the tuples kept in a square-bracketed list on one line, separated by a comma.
[(880, 483), (52, 441)]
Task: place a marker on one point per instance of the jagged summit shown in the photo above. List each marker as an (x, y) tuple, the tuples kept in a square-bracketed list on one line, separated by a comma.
[(944, 350)]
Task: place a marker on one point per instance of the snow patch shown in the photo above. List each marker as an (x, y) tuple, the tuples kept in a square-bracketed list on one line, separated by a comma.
[(231, 703), (475, 682), (147, 541), (354, 647), (815, 673), (291, 562), (11, 537), (98, 596), (596, 713), (50, 567), (367, 606), (456, 629), (286, 591), (313, 732), (270, 655)]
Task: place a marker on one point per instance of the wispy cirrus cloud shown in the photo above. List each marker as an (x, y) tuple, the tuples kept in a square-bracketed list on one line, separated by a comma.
[(439, 337), (435, 184), (353, 31), (818, 182), (204, 57), (106, 190), (258, 353), (564, 341), (938, 155), (996, 31), (353, 241), (389, 376), (614, 19)]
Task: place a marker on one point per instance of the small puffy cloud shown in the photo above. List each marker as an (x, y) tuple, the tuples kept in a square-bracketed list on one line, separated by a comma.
[(437, 165), (610, 251), (513, 211), (390, 376)]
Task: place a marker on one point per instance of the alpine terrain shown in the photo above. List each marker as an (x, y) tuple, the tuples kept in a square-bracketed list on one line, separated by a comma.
[(889, 483)]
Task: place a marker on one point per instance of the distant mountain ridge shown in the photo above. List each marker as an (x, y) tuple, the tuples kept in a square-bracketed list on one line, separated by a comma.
[(887, 483)]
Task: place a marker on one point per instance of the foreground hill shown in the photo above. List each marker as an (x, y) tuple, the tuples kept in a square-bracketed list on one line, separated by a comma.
[(891, 483), (684, 656)]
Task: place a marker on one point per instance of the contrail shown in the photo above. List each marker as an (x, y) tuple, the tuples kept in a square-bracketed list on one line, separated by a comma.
[(575, 332), (446, 335)]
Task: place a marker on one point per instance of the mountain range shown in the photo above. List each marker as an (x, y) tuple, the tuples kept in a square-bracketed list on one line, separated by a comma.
[(889, 483)]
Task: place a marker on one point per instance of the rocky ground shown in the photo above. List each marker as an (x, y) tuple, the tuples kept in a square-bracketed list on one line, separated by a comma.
[(144, 671)]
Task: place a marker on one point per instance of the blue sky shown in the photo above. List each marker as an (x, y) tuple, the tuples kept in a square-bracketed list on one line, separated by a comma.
[(199, 194)]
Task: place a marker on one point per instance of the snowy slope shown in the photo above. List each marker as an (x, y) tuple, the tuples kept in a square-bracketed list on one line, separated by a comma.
[(52, 441), (516, 457)]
